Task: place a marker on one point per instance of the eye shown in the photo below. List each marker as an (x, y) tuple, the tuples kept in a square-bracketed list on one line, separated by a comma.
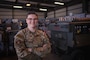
[(35, 19), (32, 19)]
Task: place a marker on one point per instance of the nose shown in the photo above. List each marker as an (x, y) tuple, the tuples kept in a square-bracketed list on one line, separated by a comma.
[(33, 20)]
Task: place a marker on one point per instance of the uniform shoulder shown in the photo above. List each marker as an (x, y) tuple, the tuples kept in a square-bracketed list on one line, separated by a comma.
[(40, 31), (24, 30), (21, 32)]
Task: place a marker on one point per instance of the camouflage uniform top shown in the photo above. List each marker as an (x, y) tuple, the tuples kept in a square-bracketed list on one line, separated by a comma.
[(26, 39)]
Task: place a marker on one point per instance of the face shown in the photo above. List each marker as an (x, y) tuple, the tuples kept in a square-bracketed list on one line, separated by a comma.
[(32, 20)]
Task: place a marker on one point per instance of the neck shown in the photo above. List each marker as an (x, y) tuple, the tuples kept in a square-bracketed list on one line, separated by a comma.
[(32, 29)]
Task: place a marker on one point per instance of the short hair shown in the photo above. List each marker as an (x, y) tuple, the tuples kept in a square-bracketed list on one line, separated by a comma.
[(31, 12)]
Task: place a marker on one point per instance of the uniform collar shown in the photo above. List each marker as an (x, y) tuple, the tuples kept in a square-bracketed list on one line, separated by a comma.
[(36, 33)]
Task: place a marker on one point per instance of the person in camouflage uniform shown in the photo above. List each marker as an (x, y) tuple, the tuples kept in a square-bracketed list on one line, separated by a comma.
[(31, 43)]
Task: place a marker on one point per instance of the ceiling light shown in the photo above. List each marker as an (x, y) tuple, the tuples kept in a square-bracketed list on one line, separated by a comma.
[(17, 7), (43, 9), (28, 4), (59, 3)]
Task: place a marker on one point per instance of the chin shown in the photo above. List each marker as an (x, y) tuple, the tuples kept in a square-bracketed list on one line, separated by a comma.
[(33, 26)]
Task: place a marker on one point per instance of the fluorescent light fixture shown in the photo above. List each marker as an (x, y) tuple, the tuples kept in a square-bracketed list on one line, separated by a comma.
[(17, 7), (28, 4), (43, 9), (59, 3)]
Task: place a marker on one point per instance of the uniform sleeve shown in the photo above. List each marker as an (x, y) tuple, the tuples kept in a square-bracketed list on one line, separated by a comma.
[(46, 49), (19, 45)]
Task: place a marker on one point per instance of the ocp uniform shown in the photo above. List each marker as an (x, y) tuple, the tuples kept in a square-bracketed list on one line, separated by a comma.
[(26, 39)]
